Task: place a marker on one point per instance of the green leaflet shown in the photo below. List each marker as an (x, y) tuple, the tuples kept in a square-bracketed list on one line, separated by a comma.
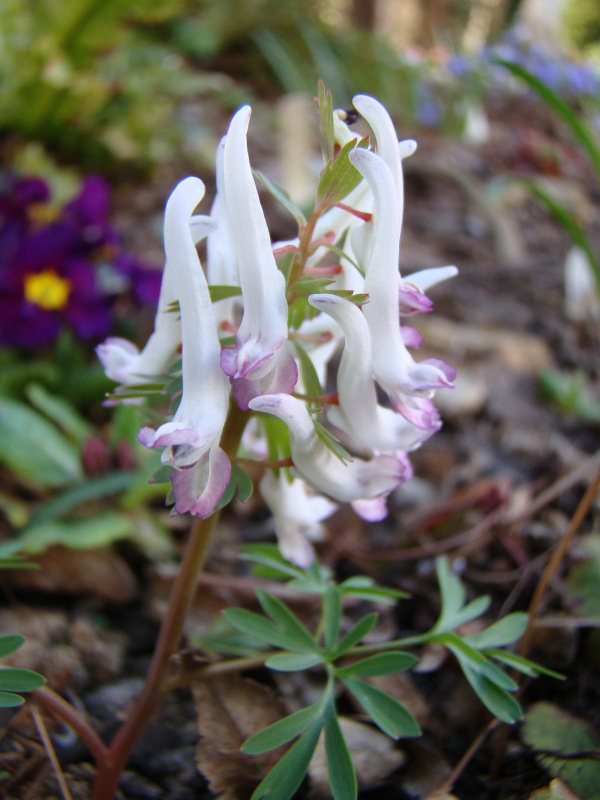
[(355, 634), (326, 132), (339, 176), (385, 711), (379, 664), (282, 197), (332, 614), (506, 631), (286, 776), (9, 643), (340, 769), (293, 662), (282, 731), (288, 622)]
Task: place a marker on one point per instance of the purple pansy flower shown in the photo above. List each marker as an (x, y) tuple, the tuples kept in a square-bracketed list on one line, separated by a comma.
[(54, 264)]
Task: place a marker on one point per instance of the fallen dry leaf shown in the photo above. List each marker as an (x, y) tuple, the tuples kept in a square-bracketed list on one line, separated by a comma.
[(426, 770), (98, 572), (230, 709)]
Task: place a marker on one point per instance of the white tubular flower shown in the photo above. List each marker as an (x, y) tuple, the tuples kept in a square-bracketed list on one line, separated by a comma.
[(424, 279), (388, 147), (359, 415), (407, 383), (122, 360), (356, 480), (192, 437), (264, 329), (221, 258), (297, 516)]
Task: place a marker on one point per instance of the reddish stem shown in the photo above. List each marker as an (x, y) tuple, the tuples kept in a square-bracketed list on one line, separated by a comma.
[(182, 594)]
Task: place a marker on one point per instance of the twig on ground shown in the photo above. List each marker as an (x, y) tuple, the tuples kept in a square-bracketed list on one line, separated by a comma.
[(50, 751), (469, 753), (555, 561)]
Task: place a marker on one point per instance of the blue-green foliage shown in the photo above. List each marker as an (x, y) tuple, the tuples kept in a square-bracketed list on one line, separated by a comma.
[(15, 680), (287, 645)]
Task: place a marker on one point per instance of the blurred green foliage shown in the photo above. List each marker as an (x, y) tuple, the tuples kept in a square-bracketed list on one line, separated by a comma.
[(582, 22), (75, 473), (78, 76), (104, 82)]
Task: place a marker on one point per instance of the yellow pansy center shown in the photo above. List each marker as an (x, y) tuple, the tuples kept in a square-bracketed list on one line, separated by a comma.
[(47, 290)]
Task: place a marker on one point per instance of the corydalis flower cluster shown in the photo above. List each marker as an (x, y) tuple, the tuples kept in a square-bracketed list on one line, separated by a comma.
[(286, 336)]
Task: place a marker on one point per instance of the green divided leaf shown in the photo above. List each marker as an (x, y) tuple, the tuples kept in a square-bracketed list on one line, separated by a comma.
[(385, 711), (332, 614), (293, 662), (339, 176), (340, 769), (19, 680), (380, 664), (9, 643), (287, 775), (288, 622), (282, 731), (495, 698), (521, 664), (506, 631), (268, 555), (260, 628), (282, 197), (356, 634), (453, 595), (326, 129), (362, 587), (10, 700), (309, 285)]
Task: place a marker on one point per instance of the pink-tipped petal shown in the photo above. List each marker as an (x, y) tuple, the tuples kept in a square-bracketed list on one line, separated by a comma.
[(411, 337), (371, 510), (282, 379), (198, 490), (356, 480)]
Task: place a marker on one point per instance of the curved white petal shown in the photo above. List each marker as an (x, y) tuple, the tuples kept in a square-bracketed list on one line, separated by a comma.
[(388, 147), (393, 366), (121, 359), (424, 279), (297, 515), (359, 414), (263, 329), (356, 480), (198, 422), (221, 258)]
